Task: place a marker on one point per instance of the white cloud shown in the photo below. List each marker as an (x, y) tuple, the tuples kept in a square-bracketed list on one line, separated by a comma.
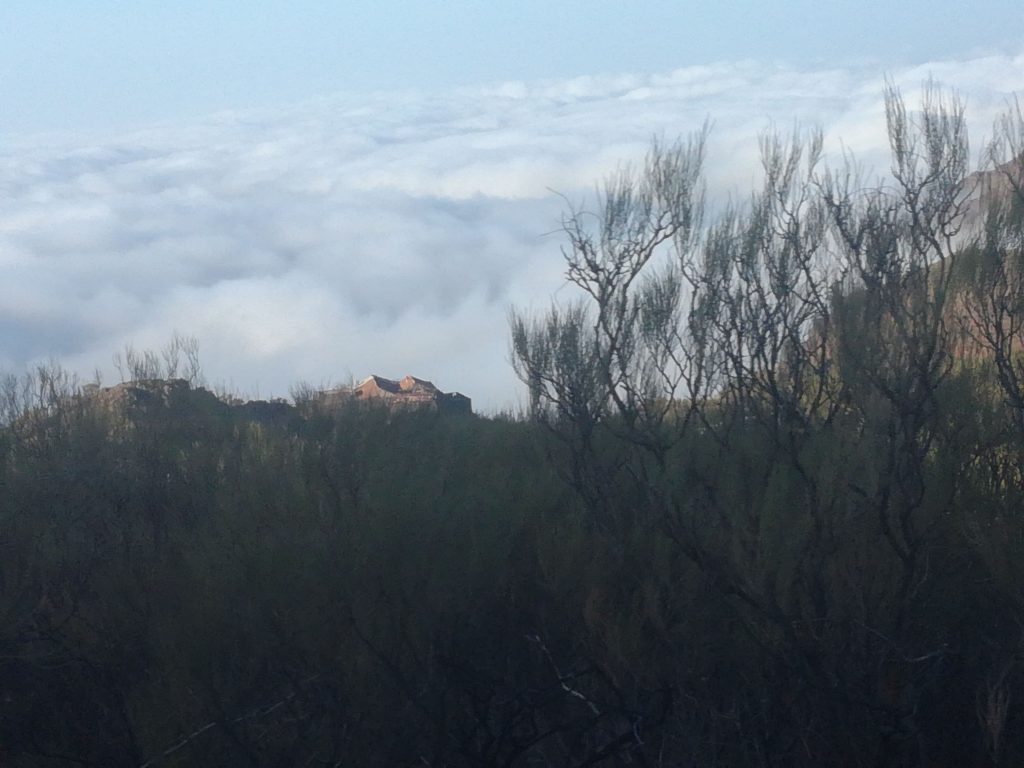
[(387, 233)]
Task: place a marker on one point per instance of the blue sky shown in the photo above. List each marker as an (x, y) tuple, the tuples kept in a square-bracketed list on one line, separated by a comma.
[(88, 65), (320, 191)]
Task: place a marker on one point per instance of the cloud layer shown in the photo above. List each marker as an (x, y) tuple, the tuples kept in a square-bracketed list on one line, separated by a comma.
[(376, 234)]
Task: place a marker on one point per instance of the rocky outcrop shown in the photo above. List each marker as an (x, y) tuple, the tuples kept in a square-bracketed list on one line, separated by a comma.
[(1000, 185), (409, 392), (159, 396)]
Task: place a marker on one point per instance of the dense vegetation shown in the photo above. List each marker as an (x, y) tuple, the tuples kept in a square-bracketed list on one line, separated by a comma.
[(765, 511)]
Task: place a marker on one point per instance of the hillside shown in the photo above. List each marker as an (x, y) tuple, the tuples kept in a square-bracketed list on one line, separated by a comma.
[(764, 511)]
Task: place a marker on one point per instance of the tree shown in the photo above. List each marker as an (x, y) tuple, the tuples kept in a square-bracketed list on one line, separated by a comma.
[(776, 394)]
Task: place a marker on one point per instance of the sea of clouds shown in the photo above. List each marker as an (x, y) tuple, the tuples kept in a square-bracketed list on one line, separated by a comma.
[(386, 233)]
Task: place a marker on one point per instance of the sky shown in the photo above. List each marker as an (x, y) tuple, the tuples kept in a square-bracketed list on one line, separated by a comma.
[(95, 65), (319, 191)]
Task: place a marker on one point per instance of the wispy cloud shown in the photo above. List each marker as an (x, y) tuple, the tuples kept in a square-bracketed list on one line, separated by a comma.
[(385, 233)]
